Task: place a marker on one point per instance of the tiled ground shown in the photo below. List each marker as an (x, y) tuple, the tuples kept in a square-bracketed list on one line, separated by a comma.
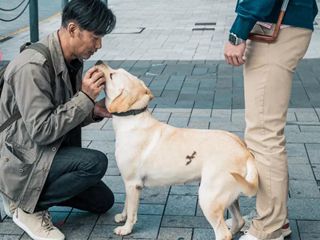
[(201, 94)]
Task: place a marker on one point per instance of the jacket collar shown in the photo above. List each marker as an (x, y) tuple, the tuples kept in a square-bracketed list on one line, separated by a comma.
[(58, 60)]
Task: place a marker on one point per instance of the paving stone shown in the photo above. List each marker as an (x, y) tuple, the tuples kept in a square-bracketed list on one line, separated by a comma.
[(102, 232), (156, 195), (146, 227), (98, 135), (185, 189), (310, 128), (203, 234), (309, 229), (77, 231), (25, 237), (292, 128), (300, 172), (163, 117), (181, 122), (314, 153), (316, 171), (306, 115), (303, 189), (2, 213), (227, 126), (115, 183), (85, 144), (302, 208), (7, 227), (184, 222), (181, 205), (97, 125), (295, 231), (203, 123), (103, 146), (175, 234), (9, 237)]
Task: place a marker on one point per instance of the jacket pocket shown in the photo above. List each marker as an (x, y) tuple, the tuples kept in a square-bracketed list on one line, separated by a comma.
[(14, 173)]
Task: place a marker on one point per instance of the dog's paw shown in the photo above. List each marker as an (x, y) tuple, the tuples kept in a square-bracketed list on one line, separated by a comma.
[(122, 231), (119, 218)]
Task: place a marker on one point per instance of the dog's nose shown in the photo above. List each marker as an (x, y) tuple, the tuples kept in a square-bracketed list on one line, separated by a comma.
[(99, 62)]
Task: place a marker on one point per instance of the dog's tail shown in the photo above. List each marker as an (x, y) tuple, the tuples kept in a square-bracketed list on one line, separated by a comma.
[(249, 184)]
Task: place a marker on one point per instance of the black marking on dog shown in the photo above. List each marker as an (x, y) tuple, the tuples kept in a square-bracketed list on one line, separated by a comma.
[(140, 186), (189, 158)]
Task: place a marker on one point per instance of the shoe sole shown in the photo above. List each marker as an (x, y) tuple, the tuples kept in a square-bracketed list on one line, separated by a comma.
[(285, 231), (26, 229)]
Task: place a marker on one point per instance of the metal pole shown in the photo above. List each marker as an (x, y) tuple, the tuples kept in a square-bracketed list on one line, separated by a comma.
[(64, 3), (34, 21)]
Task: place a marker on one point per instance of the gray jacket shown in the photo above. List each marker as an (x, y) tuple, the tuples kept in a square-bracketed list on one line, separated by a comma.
[(49, 111)]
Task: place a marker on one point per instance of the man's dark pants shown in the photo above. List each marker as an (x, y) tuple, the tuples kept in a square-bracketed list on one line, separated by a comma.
[(74, 180)]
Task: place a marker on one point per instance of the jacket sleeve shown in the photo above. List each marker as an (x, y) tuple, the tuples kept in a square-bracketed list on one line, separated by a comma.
[(91, 119), (248, 13), (44, 121)]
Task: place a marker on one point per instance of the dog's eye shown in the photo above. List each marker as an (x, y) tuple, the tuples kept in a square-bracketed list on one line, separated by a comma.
[(111, 74)]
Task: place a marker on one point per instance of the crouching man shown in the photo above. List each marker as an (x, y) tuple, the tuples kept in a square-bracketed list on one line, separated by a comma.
[(42, 163)]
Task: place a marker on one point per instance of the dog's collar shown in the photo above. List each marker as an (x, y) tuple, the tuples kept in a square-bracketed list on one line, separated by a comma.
[(130, 112)]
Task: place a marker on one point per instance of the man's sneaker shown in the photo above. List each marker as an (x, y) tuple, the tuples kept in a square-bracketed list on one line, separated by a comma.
[(248, 236), (37, 225), (8, 207), (286, 231)]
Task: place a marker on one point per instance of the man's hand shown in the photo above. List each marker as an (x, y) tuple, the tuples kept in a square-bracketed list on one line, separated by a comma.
[(234, 55), (93, 82), (100, 110)]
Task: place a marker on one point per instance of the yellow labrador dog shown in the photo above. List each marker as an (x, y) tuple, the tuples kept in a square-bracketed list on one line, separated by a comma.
[(151, 153)]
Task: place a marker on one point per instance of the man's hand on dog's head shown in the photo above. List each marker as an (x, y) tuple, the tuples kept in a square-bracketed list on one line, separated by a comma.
[(93, 82)]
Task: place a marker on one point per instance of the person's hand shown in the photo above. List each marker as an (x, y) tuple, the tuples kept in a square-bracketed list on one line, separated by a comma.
[(234, 55), (100, 110), (93, 82)]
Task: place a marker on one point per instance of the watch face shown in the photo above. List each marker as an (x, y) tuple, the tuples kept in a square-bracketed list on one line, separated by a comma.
[(232, 39)]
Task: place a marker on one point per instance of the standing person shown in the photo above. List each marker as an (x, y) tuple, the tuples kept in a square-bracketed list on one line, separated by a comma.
[(268, 71), (42, 163)]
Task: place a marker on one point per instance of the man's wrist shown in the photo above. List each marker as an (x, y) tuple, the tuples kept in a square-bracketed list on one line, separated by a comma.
[(235, 40), (88, 97)]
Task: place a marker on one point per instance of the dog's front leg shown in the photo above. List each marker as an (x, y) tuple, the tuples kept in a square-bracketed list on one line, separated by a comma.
[(122, 217), (131, 205)]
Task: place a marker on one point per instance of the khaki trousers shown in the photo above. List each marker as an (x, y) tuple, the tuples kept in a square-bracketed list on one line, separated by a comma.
[(268, 73)]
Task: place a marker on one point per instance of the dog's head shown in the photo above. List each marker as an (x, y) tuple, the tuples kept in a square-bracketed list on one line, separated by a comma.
[(124, 91)]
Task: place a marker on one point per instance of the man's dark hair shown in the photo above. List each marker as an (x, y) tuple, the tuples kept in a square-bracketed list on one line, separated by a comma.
[(91, 15)]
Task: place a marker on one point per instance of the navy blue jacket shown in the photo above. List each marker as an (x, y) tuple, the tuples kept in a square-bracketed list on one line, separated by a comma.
[(299, 13)]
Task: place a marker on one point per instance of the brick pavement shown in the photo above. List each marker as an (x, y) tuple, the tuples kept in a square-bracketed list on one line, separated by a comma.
[(192, 88)]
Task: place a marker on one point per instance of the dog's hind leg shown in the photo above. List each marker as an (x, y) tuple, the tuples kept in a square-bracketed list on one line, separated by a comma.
[(237, 220), (132, 202), (213, 206)]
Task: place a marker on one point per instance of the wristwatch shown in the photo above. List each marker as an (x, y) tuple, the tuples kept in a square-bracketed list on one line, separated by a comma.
[(235, 40)]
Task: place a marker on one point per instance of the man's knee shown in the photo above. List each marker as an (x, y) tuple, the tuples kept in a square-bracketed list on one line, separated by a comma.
[(96, 163), (101, 162)]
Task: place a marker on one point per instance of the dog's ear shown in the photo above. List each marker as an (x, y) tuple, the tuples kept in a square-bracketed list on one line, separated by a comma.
[(122, 102)]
